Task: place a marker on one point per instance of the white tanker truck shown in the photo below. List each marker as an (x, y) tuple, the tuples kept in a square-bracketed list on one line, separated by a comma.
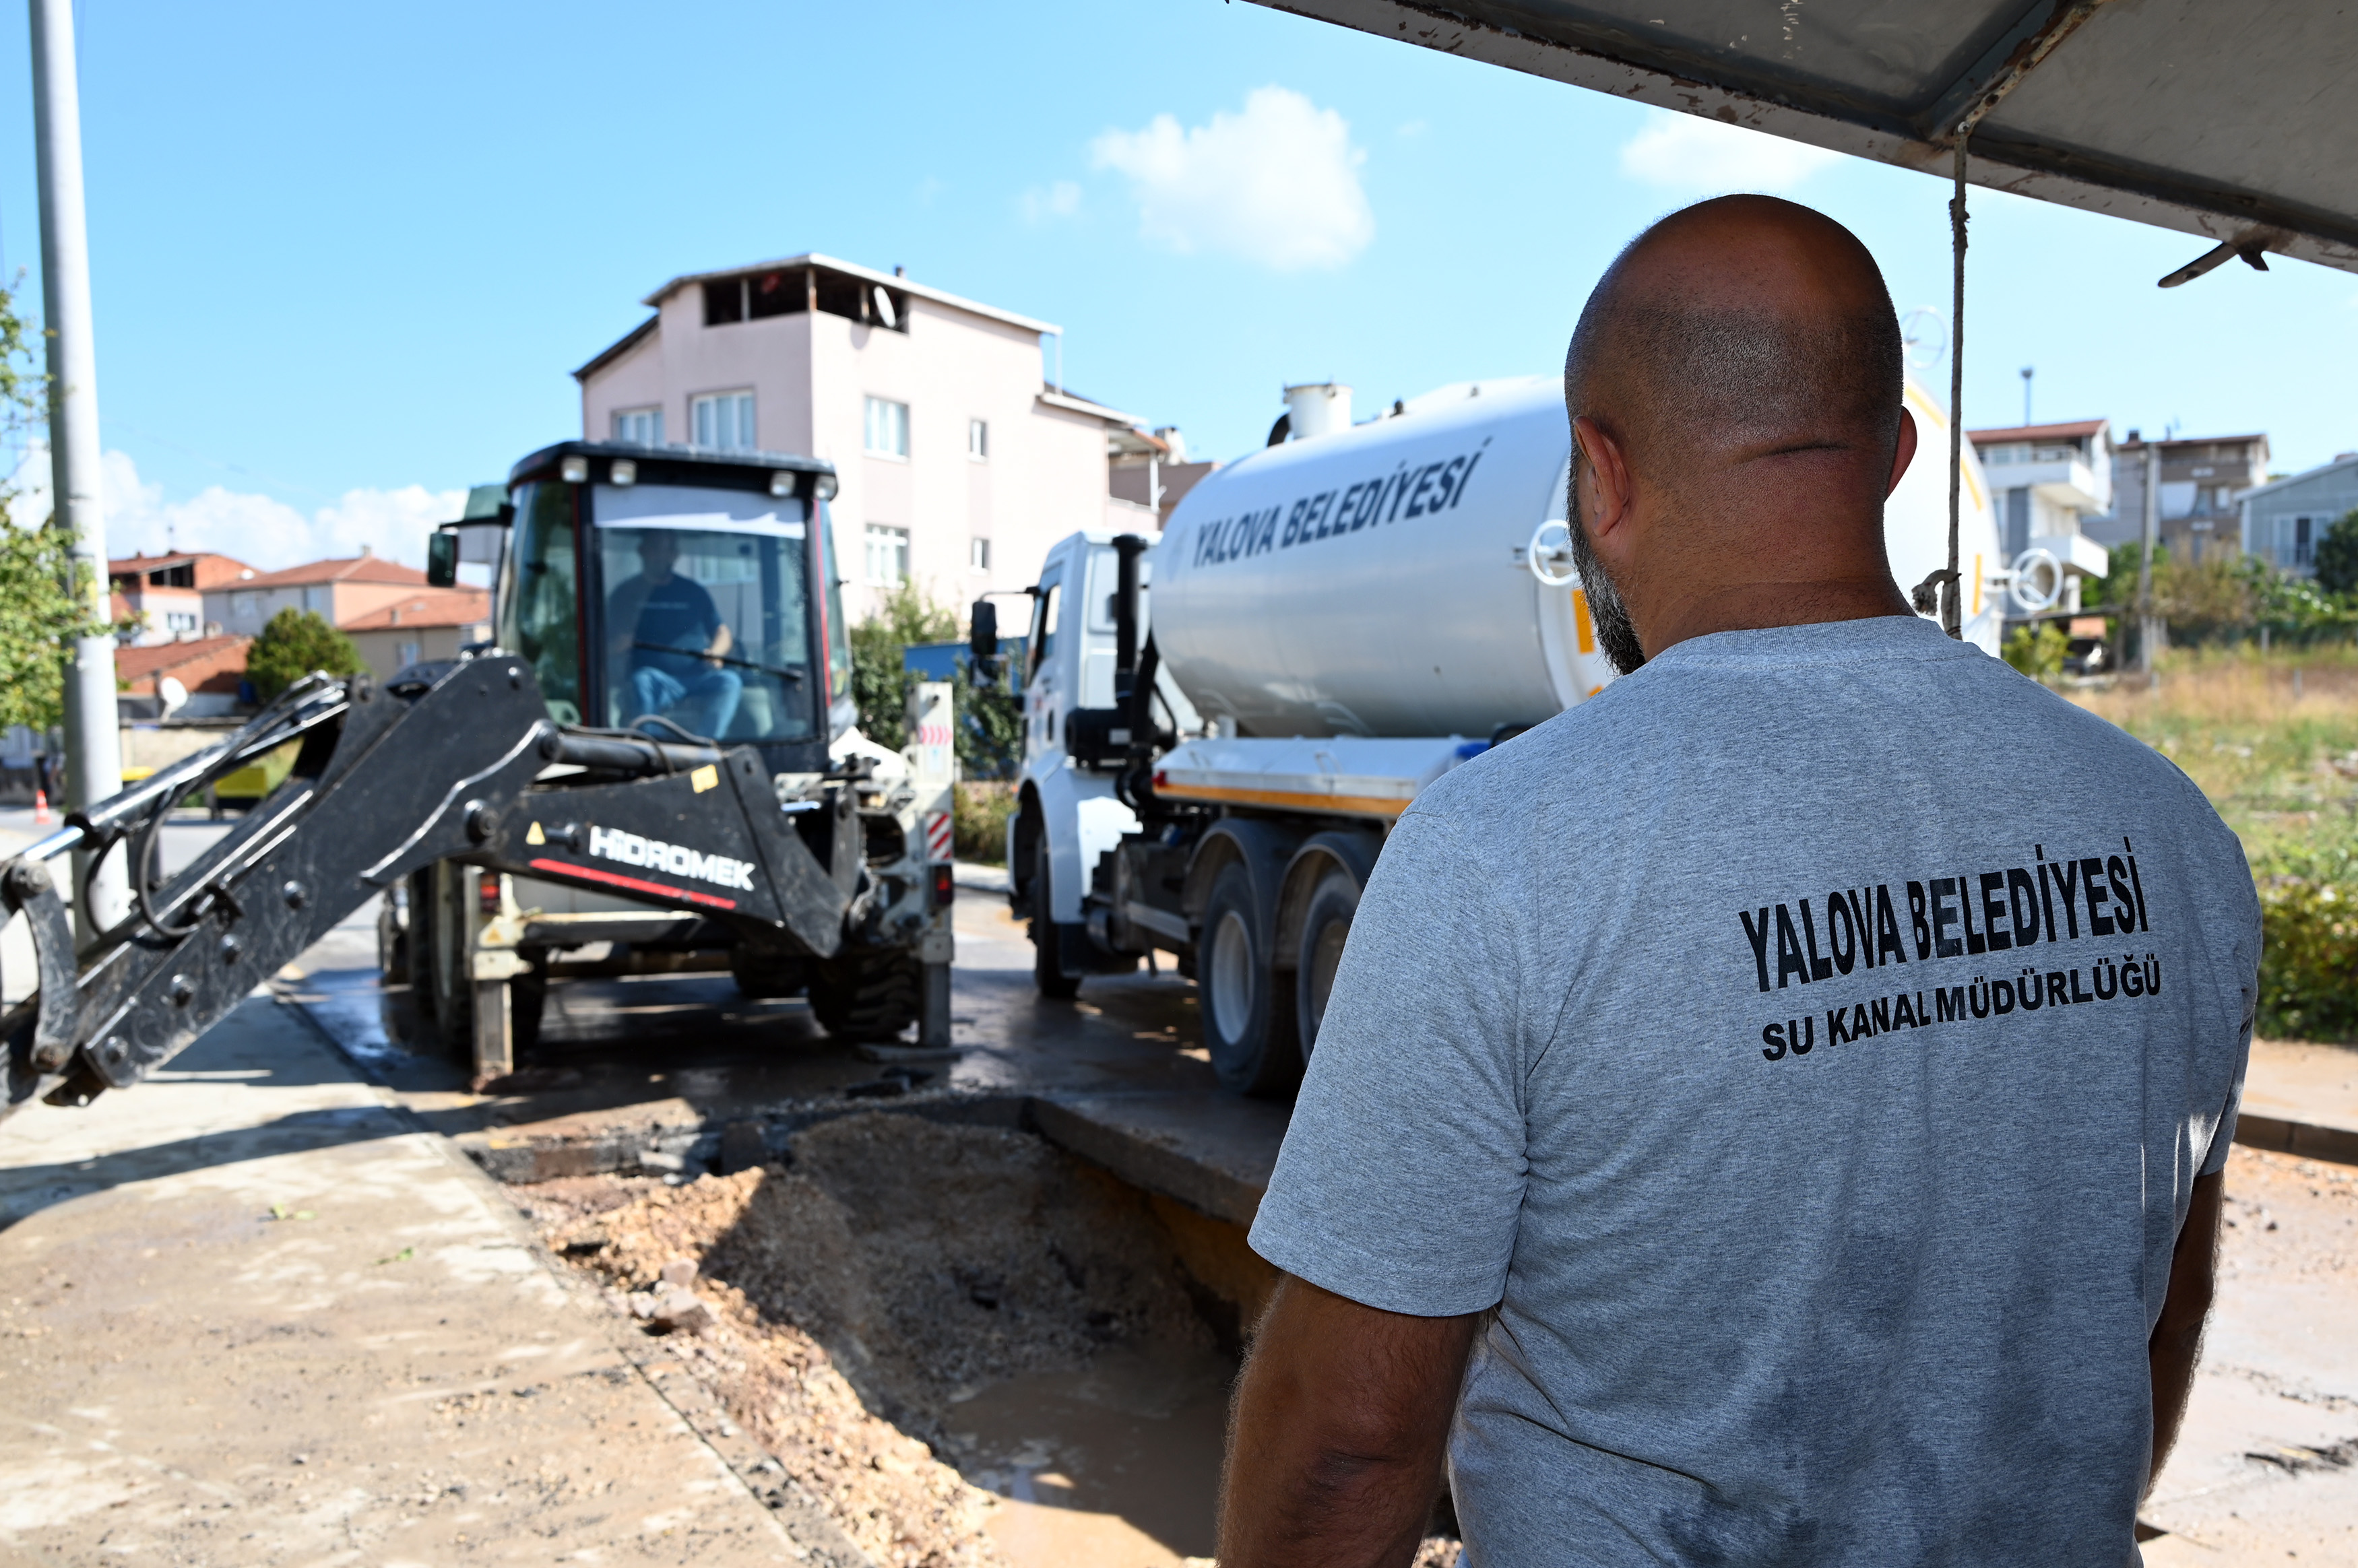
[(1222, 725)]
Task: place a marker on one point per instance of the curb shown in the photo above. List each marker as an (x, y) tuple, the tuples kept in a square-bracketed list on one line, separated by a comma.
[(2304, 1140)]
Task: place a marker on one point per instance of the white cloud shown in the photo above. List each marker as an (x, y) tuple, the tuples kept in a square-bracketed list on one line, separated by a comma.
[(1277, 184), (1061, 199), (264, 533), (1688, 153)]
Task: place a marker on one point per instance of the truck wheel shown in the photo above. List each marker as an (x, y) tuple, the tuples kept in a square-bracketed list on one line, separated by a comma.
[(865, 995), (1248, 1007), (1047, 971), (1326, 922)]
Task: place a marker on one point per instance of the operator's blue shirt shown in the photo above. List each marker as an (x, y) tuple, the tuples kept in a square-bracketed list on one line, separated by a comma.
[(674, 615)]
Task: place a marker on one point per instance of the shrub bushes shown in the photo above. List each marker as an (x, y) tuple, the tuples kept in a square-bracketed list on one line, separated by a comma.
[(2309, 918), (979, 820)]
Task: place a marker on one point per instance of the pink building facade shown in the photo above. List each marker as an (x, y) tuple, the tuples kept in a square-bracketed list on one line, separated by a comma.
[(959, 463)]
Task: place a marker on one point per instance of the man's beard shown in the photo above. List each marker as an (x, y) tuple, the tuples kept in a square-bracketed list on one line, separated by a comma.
[(1614, 634)]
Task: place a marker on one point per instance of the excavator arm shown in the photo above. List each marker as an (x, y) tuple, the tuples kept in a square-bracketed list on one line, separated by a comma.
[(456, 761)]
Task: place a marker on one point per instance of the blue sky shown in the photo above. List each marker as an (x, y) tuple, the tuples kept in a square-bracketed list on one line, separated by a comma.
[(345, 256)]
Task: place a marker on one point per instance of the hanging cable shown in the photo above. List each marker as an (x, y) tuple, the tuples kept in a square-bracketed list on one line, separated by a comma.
[(1952, 603)]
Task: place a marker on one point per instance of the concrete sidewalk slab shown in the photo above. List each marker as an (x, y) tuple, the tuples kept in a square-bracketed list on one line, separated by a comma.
[(250, 1315), (2301, 1098)]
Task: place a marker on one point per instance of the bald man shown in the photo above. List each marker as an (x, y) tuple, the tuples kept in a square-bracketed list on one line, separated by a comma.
[(1771, 1113)]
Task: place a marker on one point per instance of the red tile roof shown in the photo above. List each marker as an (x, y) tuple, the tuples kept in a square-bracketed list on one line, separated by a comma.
[(2040, 432), (355, 568), (438, 607), (197, 662)]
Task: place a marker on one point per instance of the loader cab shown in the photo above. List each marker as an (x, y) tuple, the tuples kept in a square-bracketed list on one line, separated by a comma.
[(681, 593)]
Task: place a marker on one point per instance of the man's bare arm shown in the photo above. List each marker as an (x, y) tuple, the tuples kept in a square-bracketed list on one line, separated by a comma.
[(2178, 1338), (1335, 1443)]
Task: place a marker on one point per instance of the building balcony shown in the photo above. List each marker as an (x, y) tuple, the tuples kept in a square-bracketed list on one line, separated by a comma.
[(2081, 556), (2073, 483)]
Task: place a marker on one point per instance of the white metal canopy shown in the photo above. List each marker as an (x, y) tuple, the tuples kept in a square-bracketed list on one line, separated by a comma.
[(2231, 122)]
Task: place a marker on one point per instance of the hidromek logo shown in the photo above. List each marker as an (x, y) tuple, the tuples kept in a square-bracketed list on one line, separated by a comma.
[(614, 844)]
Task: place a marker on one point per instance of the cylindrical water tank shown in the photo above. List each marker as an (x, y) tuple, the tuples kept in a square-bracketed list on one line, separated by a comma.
[(1374, 581)]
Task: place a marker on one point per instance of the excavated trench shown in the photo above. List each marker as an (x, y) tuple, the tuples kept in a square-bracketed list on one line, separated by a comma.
[(965, 1345)]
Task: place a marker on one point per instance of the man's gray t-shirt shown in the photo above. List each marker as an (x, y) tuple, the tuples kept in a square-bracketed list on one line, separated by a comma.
[(1808, 1046)]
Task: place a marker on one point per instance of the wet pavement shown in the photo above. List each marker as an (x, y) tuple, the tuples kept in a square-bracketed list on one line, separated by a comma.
[(664, 1074)]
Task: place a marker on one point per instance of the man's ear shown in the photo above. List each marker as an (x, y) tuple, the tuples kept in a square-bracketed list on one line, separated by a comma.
[(1604, 477), (1904, 452)]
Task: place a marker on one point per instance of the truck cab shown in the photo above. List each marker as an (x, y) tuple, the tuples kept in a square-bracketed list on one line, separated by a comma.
[(1070, 812)]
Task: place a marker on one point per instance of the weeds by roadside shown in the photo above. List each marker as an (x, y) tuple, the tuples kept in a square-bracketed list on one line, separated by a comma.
[(2273, 740)]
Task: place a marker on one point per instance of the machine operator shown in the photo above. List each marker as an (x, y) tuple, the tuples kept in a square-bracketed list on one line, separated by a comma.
[(669, 635)]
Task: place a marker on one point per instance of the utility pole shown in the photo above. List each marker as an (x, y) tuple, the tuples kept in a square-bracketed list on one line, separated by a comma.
[(2147, 627), (94, 744)]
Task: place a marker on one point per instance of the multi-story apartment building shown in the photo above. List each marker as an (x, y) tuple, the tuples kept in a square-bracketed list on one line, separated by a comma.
[(2047, 480), (2283, 521), (2202, 478), (960, 458)]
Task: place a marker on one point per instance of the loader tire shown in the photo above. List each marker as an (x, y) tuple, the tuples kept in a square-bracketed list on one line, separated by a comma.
[(865, 995)]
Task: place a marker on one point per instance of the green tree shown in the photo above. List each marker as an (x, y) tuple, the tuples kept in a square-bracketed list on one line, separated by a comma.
[(293, 643), (880, 682), (48, 599), (2337, 555), (41, 617), (2038, 649), (988, 719)]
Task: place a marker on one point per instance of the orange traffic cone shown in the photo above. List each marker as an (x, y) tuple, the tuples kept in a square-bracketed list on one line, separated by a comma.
[(41, 808)]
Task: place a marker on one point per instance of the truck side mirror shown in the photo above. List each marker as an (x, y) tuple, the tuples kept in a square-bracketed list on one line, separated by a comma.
[(982, 639), (442, 558)]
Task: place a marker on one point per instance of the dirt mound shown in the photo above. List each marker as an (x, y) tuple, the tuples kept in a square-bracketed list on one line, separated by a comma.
[(894, 1267), (884, 1488)]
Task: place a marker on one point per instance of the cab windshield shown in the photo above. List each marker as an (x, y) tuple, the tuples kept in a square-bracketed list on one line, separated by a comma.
[(705, 606)]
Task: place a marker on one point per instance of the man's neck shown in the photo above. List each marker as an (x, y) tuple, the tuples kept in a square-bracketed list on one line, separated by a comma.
[(1757, 606)]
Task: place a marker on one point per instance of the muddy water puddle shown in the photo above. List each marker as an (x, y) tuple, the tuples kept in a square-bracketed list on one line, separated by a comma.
[(1111, 1465)]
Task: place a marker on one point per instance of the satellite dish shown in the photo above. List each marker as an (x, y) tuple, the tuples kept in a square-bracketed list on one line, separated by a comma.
[(174, 695), (1924, 336), (884, 309)]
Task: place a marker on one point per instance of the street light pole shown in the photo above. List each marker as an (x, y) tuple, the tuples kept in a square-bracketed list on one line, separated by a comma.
[(94, 744), (2147, 625)]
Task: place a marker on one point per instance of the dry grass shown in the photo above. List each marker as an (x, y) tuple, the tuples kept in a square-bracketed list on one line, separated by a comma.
[(2272, 738)]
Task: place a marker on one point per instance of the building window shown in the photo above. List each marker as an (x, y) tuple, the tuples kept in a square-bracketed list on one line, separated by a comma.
[(888, 427), (977, 554), (404, 655), (320, 602), (888, 555), (2302, 545), (639, 426), (723, 421), (180, 622), (978, 439), (244, 606)]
